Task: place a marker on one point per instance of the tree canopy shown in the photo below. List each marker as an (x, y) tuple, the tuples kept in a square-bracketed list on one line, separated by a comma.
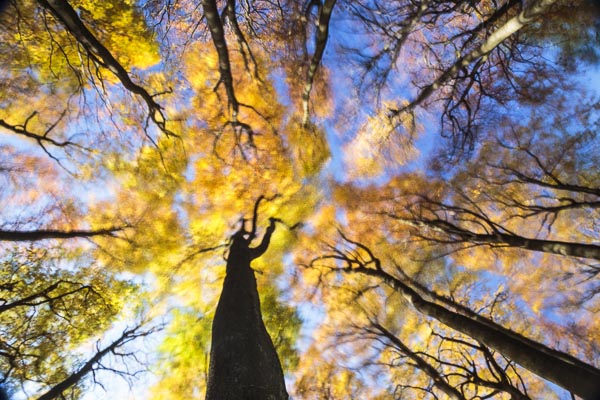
[(432, 168)]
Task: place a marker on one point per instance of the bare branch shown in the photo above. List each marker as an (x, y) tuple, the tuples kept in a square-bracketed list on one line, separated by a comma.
[(438, 380), (68, 17), (44, 296), (496, 235), (30, 236), (23, 131), (89, 366), (529, 13), (561, 368)]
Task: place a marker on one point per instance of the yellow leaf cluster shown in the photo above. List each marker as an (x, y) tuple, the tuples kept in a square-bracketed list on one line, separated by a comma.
[(380, 144)]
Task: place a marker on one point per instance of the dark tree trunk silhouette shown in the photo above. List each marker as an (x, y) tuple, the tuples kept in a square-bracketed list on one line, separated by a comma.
[(243, 361)]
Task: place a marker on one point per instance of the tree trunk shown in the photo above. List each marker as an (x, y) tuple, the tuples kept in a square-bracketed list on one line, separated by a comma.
[(322, 35), (213, 19), (243, 361), (566, 371)]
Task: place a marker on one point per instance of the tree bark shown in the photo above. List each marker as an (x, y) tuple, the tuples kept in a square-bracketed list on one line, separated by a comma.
[(564, 370), (243, 361), (322, 35), (211, 13)]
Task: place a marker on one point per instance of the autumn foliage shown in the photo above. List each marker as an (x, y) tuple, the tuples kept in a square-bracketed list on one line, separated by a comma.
[(432, 168)]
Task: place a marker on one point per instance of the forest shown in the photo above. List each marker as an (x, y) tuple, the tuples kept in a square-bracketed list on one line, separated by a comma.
[(412, 188)]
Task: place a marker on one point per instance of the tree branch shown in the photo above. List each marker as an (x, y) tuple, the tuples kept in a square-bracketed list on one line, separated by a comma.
[(438, 380), (73, 379), (23, 131), (68, 17), (259, 250), (44, 294), (215, 25), (513, 25), (30, 236), (320, 42), (498, 238), (563, 369)]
